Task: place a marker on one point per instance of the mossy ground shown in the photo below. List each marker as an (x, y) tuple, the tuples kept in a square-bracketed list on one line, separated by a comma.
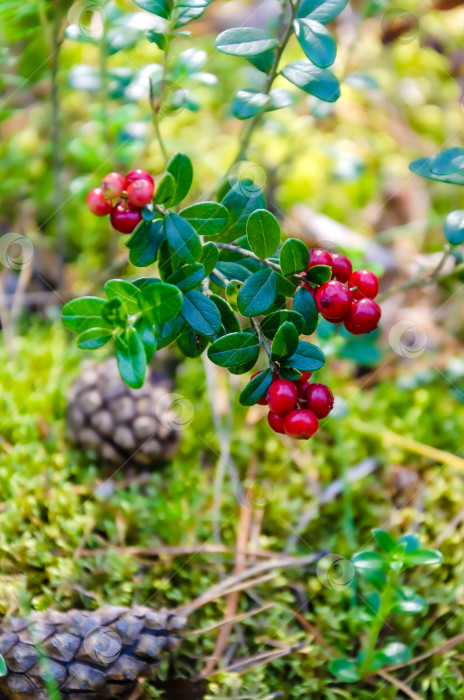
[(52, 514)]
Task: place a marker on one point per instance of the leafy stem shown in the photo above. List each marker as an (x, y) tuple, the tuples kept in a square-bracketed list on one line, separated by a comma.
[(379, 620), (248, 131), (264, 342), (248, 254)]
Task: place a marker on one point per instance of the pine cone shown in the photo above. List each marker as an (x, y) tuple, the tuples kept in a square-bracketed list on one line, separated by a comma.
[(123, 425), (89, 654)]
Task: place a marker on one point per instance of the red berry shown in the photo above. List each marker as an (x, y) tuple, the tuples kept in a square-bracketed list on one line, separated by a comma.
[(113, 185), (333, 300), (317, 256), (305, 376), (366, 282), (282, 396), (261, 402), (135, 175), (276, 422), (301, 387), (310, 289), (301, 424), (364, 317), (140, 193), (125, 219), (97, 203), (319, 399), (342, 267)]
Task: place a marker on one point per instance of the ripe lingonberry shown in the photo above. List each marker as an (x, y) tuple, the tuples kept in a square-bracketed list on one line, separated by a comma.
[(319, 399), (261, 402), (282, 396), (125, 219), (341, 267), (333, 300), (301, 424), (364, 317), (317, 256), (301, 388), (97, 203), (135, 175), (304, 377), (113, 185), (366, 282), (276, 422), (140, 193)]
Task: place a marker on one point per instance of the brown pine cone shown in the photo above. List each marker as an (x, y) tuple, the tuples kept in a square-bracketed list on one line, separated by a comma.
[(88, 654), (123, 426)]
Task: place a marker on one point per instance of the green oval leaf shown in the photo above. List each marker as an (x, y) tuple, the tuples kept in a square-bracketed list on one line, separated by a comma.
[(263, 233), (258, 293), (271, 324), (294, 256), (318, 274), (146, 333), (207, 218), (209, 257), (319, 82), (234, 349), (145, 241), (228, 318), (345, 670), (3, 668), (307, 358), (187, 277), (80, 315), (160, 302), (200, 313), (256, 389), (285, 342), (180, 167), (370, 561), (182, 238), (192, 344), (423, 556), (384, 540), (248, 103), (323, 11), (156, 7), (127, 292), (166, 333), (131, 358), (305, 305), (165, 189), (316, 41), (245, 41), (94, 338)]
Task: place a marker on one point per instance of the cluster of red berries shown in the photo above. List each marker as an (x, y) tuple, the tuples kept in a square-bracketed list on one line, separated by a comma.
[(295, 407), (348, 296), (122, 198)]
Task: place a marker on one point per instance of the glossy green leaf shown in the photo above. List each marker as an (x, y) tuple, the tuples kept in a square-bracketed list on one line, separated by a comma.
[(234, 350), (181, 169), (160, 302), (245, 41), (412, 606), (209, 257), (228, 318), (271, 324), (285, 342), (345, 670), (410, 541), (258, 293), (249, 103), (289, 373), (165, 189), (454, 227), (3, 668), (319, 82), (384, 540), (264, 61), (192, 344), (200, 313), (147, 335), (115, 313), (316, 41), (448, 162), (144, 242), (370, 560), (395, 653), (131, 358), (244, 197), (94, 338), (305, 305), (256, 389), (207, 218), (156, 7), (286, 285), (188, 10), (280, 98), (423, 556), (263, 233), (307, 358), (318, 274), (187, 277), (80, 315), (233, 270), (166, 333), (423, 167), (182, 238), (294, 256), (323, 11), (127, 292)]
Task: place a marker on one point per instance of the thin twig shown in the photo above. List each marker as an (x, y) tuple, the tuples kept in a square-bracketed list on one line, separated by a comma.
[(434, 278), (248, 254), (400, 685)]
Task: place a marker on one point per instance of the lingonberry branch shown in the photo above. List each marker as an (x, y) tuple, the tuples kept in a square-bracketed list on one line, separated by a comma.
[(379, 620), (264, 342), (254, 121), (248, 254)]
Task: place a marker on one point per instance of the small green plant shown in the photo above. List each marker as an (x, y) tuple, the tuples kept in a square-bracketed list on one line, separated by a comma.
[(382, 570)]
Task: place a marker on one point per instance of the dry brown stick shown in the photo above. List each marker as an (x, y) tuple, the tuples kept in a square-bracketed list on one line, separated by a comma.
[(259, 659), (243, 532), (400, 685), (237, 618)]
